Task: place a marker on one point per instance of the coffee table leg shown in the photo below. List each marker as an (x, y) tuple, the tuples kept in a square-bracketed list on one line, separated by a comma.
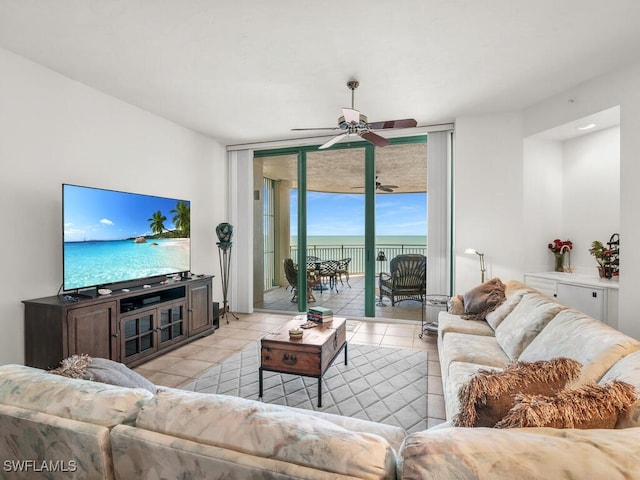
[(260, 382), (319, 392)]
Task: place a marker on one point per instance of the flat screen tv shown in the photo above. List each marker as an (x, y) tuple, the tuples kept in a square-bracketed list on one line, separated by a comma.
[(112, 237)]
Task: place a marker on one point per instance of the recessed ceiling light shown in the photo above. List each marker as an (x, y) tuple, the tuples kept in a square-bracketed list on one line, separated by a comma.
[(586, 126)]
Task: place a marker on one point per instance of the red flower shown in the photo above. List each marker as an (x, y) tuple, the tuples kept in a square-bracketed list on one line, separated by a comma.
[(558, 245)]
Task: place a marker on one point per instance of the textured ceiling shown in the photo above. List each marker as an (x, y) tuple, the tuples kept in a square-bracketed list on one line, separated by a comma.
[(342, 171), (250, 71)]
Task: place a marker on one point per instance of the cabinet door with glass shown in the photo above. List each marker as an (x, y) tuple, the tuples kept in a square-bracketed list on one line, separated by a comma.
[(172, 323), (138, 335)]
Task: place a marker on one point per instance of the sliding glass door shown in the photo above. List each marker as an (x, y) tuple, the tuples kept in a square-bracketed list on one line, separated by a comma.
[(331, 212)]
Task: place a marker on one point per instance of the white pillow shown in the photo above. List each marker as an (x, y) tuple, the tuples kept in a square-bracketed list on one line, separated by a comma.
[(525, 322)]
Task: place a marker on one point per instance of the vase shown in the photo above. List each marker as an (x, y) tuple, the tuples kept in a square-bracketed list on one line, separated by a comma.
[(224, 231), (559, 261)]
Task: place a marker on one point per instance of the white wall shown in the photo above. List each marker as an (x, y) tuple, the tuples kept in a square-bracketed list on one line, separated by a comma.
[(488, 206), (617, 88), (55, 130), (571, 191), (591, 193), (491, 143), (543, 200)]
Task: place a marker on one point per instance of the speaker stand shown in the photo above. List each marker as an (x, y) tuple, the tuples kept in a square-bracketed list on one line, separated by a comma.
[(224, 255)]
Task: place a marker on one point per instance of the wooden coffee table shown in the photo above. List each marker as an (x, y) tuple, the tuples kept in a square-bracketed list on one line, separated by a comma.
[(309, 356)]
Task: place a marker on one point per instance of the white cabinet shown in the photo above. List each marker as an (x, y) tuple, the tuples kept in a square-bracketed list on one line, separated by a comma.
[(543, 285), (589, 300), (596, 297)]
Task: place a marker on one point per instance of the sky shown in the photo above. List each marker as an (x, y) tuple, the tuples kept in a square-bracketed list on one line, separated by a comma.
[(95, 214), (343, 214)]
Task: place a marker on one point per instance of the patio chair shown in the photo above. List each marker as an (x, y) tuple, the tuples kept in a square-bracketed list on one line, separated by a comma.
[(407, 280), (343, 269), (291, 272), (329, 270)]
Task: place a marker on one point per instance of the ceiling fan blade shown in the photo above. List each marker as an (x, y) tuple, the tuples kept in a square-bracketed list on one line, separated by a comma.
[(390, 186), (385, 188), (374, 138), (404, 123), (351, 115), (333, 140), (319, 128)]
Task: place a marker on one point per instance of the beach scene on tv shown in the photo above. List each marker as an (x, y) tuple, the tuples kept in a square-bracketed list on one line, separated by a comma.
[(112, 236)]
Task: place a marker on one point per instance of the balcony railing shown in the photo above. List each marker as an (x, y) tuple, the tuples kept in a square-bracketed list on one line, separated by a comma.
[(356, 253)]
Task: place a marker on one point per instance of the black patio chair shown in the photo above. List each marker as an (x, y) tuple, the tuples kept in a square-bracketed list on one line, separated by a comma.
[(343, 269), (291, 273), (329, 270), (407, 280)]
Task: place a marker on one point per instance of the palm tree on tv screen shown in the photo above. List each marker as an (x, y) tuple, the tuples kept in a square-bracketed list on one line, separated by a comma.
[(182, 218), (157, 222)]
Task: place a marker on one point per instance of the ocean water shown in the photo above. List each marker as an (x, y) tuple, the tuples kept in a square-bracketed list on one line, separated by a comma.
[(101, 263), (349, 240)]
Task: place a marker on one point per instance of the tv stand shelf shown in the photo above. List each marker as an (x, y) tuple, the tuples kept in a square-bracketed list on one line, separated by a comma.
[(129, 327), (134, 302)]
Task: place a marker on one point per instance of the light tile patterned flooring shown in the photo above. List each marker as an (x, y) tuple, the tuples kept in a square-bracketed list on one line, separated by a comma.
[(180, 366)]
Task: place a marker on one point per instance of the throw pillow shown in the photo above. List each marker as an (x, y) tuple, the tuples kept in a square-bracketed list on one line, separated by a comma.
[(525, 322), (588, 406), (489, 394), (456, 305), (514, 292), (483, 299), (102, 370)]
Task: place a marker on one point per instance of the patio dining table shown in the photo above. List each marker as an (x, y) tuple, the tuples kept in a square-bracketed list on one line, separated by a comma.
[(326, 269)]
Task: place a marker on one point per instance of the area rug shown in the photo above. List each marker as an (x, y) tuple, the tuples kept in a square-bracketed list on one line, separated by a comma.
[(385, 385)]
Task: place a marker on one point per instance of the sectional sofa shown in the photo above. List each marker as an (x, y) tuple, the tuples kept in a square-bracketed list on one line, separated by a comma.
[(528, 326), (57, 427)]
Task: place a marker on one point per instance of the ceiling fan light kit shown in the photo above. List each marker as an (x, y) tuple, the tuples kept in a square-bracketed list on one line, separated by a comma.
[(352, 122)]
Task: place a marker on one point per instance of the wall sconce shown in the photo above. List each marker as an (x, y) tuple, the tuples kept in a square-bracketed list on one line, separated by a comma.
[(483, 270)]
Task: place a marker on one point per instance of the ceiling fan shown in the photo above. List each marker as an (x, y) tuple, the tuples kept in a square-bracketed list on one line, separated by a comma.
[(352, 122), (380, 186)]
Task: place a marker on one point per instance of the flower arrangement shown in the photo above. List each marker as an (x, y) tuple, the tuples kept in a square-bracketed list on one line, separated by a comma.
[(560, 246)]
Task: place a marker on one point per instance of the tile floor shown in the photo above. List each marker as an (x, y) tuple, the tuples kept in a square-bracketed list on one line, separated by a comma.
[(346, 301), (180, 366)]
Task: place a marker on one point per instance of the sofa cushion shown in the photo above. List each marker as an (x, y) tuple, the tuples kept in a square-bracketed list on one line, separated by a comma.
[(76, 399), (73, 449), (572, 334), (523, 454), (479, 349), (514, 291), (483, 299), (271, 431), (449, 323), (489, 395), (627, 370), (587, 406), (102, 370), (525, 322), (143, 454), (392, 434)]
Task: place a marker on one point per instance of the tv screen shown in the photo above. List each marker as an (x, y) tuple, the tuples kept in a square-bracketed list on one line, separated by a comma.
[(114, 237)]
